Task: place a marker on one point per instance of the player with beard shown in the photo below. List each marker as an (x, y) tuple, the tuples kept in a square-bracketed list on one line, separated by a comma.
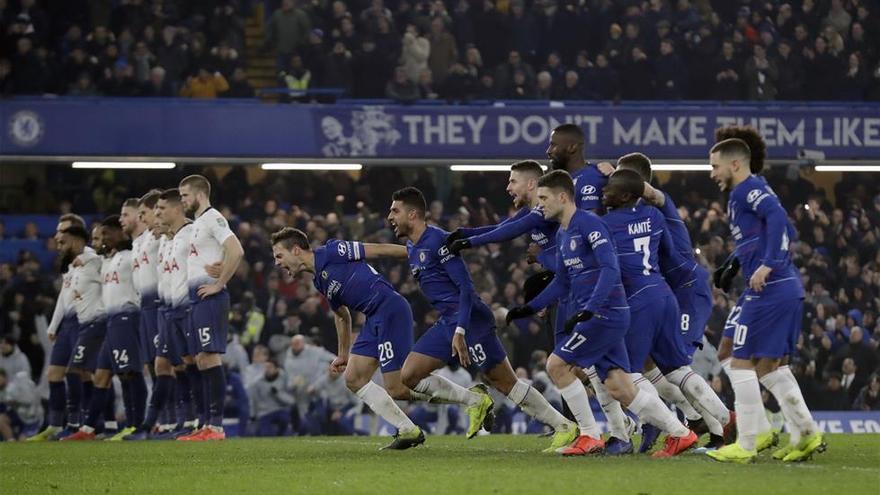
[(466, 327), (212, 241), (63, 331), (567, 152), (120, 352)]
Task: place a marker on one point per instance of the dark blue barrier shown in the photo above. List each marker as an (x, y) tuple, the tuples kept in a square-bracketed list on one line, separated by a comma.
[(244, 128)]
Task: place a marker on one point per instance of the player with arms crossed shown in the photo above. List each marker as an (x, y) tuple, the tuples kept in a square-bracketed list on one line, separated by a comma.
[(211, 241), (655, 346), (689, 282), (769, 322), (343, 276), (590, 273), (466, 327)]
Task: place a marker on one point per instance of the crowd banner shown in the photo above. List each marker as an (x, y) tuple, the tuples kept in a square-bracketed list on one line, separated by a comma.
[(159, 127)]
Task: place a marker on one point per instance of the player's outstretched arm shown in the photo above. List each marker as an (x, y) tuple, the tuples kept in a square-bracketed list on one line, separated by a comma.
[(342, 319), (373, 251), (524, 221)]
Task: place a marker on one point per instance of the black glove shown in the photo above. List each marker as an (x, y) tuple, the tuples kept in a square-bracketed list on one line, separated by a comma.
[(458, 234), (724, 275), (535, 284), (518, 312), (577, 318), (459, 246)]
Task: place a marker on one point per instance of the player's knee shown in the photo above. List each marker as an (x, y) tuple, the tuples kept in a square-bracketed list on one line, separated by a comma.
[(557, 369), (102, 378), (409, 378), (354, 381), (56, 373), (398, 391), (163, 367)]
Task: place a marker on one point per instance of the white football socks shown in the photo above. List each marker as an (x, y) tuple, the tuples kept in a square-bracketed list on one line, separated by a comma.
[(749, 407), (578, 401), (535, 405), (441, 388), (650, 409), (614, 414), (700, 394), (381, 403), (783, 385), (671, 393)]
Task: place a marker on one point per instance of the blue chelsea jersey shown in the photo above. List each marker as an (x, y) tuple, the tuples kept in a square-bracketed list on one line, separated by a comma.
[(345, 279)]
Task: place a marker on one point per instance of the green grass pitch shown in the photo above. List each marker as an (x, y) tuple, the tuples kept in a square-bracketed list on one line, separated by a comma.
[(491, 464)]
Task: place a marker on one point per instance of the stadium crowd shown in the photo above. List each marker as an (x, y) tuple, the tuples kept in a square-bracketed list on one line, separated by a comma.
[(455, 50), (283, 334)]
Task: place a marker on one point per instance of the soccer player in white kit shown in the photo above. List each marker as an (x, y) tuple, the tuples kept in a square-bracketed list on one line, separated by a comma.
[(212, 241)]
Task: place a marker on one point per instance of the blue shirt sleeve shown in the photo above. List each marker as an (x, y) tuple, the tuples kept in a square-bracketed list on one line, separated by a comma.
[(555, 290), (524, 221), (768, 208), (472, 231), (458, 273), (667, 251), (609, 270), (344, 251)]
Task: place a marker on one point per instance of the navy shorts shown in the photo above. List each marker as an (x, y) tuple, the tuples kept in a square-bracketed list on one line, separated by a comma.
[(387, 335), (768, 326), (65, 342), (121, 352), (149, 333), (733, 318), (598, 342), (695, 303), (485, 349), (654, 330), (88, 345), (210, 320), (173, 335)]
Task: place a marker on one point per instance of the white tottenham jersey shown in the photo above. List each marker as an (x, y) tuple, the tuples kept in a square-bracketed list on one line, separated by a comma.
[(163, 274), (209, 232), (86, 284), (177, 263), (118, 291), (64, 304), (145, 251)]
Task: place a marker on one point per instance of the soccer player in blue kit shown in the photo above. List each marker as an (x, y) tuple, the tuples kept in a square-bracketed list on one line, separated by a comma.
[(466, 327), (591, 274), (689, 282), (772, 307), (566, 151), (343, 276), (644, 244)]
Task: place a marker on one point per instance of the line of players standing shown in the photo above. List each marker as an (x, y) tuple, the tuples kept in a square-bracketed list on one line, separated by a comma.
[(148, 294)]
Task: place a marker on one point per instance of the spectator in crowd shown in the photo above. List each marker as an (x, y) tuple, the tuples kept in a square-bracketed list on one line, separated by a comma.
[(443, 51), (760, 75), (239, 87), (205, 85), (544, 89), (12, 360), (869, 397), (21, 409), (416, 51), (671, 72), (303, 364), (287, 30), (401, 89), (336, 404), (727, 73), (157, 85), (270, 401)]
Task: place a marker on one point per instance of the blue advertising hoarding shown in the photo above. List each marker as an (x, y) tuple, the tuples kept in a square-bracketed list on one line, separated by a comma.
[(145, 127)]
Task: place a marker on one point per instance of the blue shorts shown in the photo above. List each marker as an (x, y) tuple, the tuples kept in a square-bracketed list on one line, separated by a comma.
[(210, 320), (121, 351), (733, 318), (65, 342), (695, 303), (149, 333), (173, 332), (485, 349), (768, 326), (598, 342), (654, 330), (88, 345), (387, 335)]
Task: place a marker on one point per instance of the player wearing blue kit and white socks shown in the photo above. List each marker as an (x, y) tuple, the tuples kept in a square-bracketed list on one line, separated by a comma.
[(769, 322), (466, 328), (342, 275)]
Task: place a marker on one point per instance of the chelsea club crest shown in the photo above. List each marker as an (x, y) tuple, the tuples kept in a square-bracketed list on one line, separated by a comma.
[(25, 128)]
